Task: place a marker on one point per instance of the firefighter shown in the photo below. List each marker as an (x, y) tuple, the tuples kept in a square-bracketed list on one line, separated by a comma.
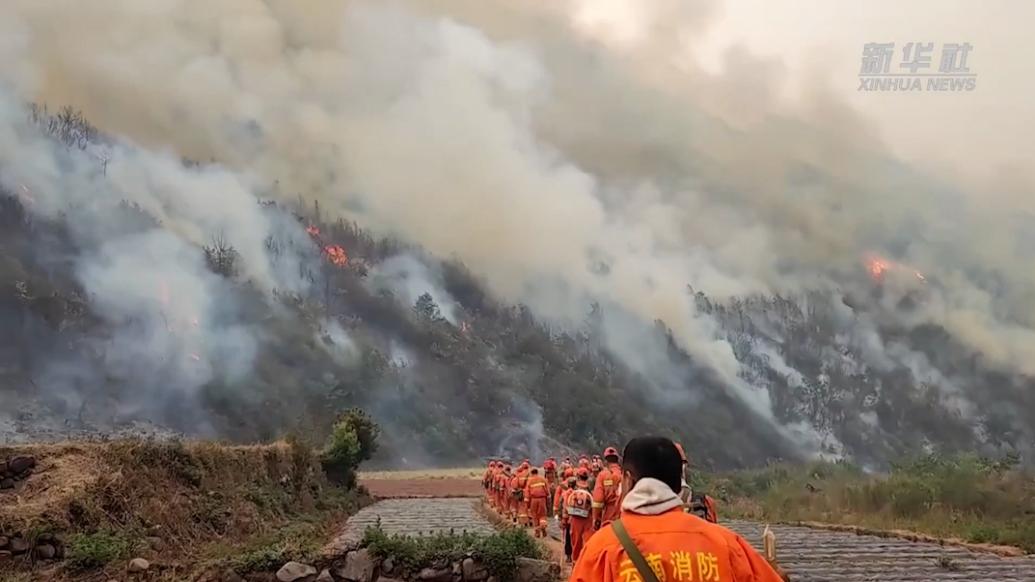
[(515, 495), (487, 480), (655, 540), (550, 473), (607, 490), (566, 464), (537, 491), (578, 507), (519, 490), (559, 500), (502, 488)]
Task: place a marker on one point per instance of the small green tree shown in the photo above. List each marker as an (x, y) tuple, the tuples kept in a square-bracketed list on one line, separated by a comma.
[(353, 440)]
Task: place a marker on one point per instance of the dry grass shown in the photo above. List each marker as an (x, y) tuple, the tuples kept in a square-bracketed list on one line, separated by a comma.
[(982, 503), (192, 495)]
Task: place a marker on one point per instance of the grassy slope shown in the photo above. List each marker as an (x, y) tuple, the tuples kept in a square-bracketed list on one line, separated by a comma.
[(213, 506), (968, 498)]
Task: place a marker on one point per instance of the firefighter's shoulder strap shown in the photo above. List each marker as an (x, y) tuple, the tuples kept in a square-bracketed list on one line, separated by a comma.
[(646, 574)]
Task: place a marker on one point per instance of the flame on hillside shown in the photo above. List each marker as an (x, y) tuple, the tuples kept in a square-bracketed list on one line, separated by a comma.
[(878, 267)]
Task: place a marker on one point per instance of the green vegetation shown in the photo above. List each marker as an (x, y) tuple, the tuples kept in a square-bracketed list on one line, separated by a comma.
[(89, 551), (498, 552), (299, 541), (968, 497), (353, 440)]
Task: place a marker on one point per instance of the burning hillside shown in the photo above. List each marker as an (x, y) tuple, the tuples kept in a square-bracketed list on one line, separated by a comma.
[(433, 211)]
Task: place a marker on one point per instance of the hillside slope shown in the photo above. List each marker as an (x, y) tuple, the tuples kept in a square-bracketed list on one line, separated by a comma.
[(121, 326)]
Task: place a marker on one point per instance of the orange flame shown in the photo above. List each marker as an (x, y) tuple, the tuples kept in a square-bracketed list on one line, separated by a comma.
[(312, 230), (336, 255), (877, 267)]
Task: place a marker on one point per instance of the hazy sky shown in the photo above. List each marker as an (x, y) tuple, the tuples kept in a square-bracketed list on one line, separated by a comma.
[(972, 132)]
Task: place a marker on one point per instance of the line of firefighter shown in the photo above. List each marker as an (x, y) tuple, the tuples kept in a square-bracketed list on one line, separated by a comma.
[(583, 495)]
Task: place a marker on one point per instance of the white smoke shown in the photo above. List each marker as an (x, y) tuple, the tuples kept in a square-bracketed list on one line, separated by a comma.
[(566, 151), (408, 278)]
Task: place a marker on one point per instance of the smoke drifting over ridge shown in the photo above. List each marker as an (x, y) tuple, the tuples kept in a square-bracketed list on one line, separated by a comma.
[(566, 155)]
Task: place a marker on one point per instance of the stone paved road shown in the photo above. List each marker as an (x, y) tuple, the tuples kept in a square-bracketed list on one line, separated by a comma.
[(813, 555), (413, 517)]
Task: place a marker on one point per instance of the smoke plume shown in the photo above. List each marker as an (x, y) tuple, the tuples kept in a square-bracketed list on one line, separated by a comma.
[(571, 153)]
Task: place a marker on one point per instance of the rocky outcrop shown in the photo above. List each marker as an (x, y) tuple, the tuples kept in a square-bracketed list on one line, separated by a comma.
[(296, 572), (43, 547), (15, 469)]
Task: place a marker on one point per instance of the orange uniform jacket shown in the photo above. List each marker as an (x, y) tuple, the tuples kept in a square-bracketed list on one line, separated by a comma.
[(558, 498), (679, 548), (536, 488), (606, 495)]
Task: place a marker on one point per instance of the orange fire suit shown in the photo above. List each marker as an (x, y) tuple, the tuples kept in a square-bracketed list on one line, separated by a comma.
[(521, 498), (677, 546), (578, 506), (537, 492), (518, 513), (607, 495), (558, 499), (502, 496), (551, 486)]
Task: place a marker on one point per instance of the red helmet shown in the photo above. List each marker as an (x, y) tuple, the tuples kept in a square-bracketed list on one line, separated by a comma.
[(610, 452), (569, 472), (549, 465)]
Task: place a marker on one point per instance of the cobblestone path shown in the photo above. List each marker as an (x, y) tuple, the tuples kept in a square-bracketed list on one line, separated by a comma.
[(807, 554), (814, 555), (414, 517)]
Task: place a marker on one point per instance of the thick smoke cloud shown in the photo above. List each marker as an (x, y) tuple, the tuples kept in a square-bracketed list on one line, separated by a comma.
[(569, 152)]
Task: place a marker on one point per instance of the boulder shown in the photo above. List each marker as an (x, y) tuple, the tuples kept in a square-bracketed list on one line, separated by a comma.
[(359, 567), (387, 566), (3, 541), (45, 551), (473, 571), (21, 464), (436, 575), (529, 570), (18, 545), (325, 576), (138, 565), (155, 543), (296, 572)]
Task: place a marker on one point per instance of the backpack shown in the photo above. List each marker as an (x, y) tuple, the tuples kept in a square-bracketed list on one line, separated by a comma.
[(579, 503), (703, 506)]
